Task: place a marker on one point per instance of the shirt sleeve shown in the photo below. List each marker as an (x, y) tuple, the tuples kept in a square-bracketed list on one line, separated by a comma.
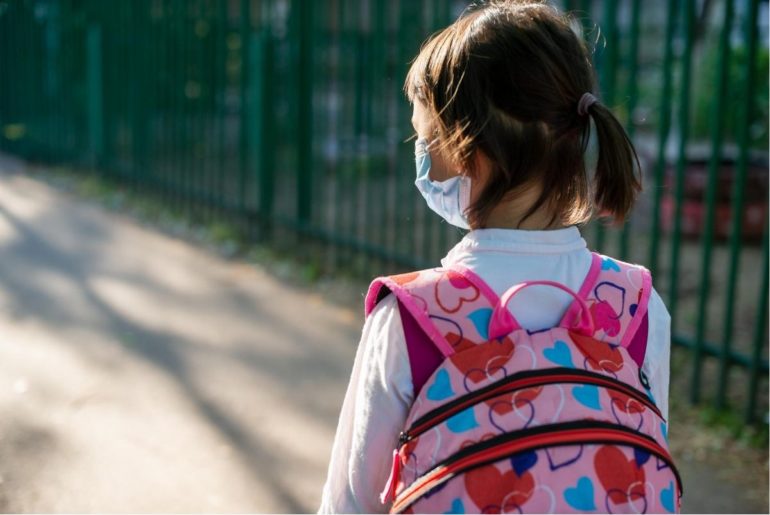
[(657, 359), (373, 414)]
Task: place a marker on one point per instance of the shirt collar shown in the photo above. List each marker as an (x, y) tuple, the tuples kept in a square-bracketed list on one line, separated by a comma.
[(516, 241)]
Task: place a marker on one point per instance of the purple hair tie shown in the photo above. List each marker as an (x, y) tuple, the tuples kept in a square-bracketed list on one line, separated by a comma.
[(586, 101)]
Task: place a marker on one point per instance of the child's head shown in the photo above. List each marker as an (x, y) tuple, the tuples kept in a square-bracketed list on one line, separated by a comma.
[(501, 86)]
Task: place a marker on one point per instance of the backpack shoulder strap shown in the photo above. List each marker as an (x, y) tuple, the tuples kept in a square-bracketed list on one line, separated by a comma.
[(619, 299), (451, 310)]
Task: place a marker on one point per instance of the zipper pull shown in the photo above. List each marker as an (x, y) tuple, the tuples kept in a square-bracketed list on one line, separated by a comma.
[(389, 493)]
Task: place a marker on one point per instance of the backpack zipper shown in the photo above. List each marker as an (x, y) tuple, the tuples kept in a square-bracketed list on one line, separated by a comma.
[(509, 444), (520, 381)]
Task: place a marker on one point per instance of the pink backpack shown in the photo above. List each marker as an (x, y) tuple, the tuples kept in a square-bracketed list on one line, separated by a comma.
[(554, 421)]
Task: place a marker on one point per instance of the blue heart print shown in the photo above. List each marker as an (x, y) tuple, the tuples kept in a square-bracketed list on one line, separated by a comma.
[(462, 422), (559, 354), (641, 457), (480, 319), (608, 264), (588, 396), (441, 388), (581, 497), (523, 461), (457, 507), (667, 497)]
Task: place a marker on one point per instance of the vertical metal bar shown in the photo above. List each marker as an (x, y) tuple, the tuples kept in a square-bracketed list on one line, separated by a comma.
[(633, 94), (340, 148), (715, 164), (164, 94), (365, 169), (684, 129), (243, 148), (305, 159), (5, 93), (607, 75), (267, 125), (412, 33), (205, 52), (220, 24), (664, 127), (378, 117), (180, 156), (760, 340), (185, 155), (739, 186), (95, 106)]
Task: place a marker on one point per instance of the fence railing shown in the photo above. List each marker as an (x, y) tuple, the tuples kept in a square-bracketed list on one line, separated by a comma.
[(287, 117)]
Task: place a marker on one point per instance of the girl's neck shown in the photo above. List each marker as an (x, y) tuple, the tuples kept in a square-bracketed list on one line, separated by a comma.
[(509, 214)]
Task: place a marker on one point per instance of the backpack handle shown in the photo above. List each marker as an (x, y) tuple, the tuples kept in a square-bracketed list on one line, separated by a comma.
[(502, 323)]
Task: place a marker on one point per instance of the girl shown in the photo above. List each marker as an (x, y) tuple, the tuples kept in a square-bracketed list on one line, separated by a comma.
[(502, 110)]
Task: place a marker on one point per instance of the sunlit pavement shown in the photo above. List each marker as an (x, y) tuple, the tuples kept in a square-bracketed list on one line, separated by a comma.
[(139, 373)]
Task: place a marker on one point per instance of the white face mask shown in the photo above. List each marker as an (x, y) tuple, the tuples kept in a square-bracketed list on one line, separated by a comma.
[(449, 198)]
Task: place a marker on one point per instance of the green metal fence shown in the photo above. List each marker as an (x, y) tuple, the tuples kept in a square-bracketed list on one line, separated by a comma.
[(286, 117)]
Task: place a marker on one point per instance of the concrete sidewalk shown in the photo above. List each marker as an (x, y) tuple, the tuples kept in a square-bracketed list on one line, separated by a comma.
[(139, 373)]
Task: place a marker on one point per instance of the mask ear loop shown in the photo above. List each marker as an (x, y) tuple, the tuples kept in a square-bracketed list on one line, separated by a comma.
[(500, 324)]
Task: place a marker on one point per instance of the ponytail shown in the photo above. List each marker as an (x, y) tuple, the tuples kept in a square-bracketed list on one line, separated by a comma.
[(616, 182)]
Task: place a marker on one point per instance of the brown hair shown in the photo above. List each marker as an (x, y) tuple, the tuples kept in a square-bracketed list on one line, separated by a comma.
[(506, 79)]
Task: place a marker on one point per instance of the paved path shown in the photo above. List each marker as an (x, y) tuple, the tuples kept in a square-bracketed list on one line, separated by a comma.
[(139, 373)]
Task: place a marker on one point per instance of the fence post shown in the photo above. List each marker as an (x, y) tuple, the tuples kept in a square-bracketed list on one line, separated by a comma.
[(632, 95), (759, 335), (95, 102), (718, 116), (305, 112), (260, 116), (607, 67), (739, 187), (665, 128), (688, 17), (243, 142)]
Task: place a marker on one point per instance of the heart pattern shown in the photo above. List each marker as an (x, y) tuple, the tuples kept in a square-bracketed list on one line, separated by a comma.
[(619, 476), (599, 356), (462, 422), (457, 507), (481, 363), (480, 319), (588, 396), (497, 492), (524, 461), (581, 496), (609, 264), (441, 388), (560, 478), (450, 295), (667, 497), (563, 456), (559, 354)]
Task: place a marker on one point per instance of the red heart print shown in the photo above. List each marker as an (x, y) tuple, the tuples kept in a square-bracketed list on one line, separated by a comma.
[(458, 343), (480, 362), (504, 403), (489, 488), (599, 355), (626, 403), (451, 298), (619, 476)]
